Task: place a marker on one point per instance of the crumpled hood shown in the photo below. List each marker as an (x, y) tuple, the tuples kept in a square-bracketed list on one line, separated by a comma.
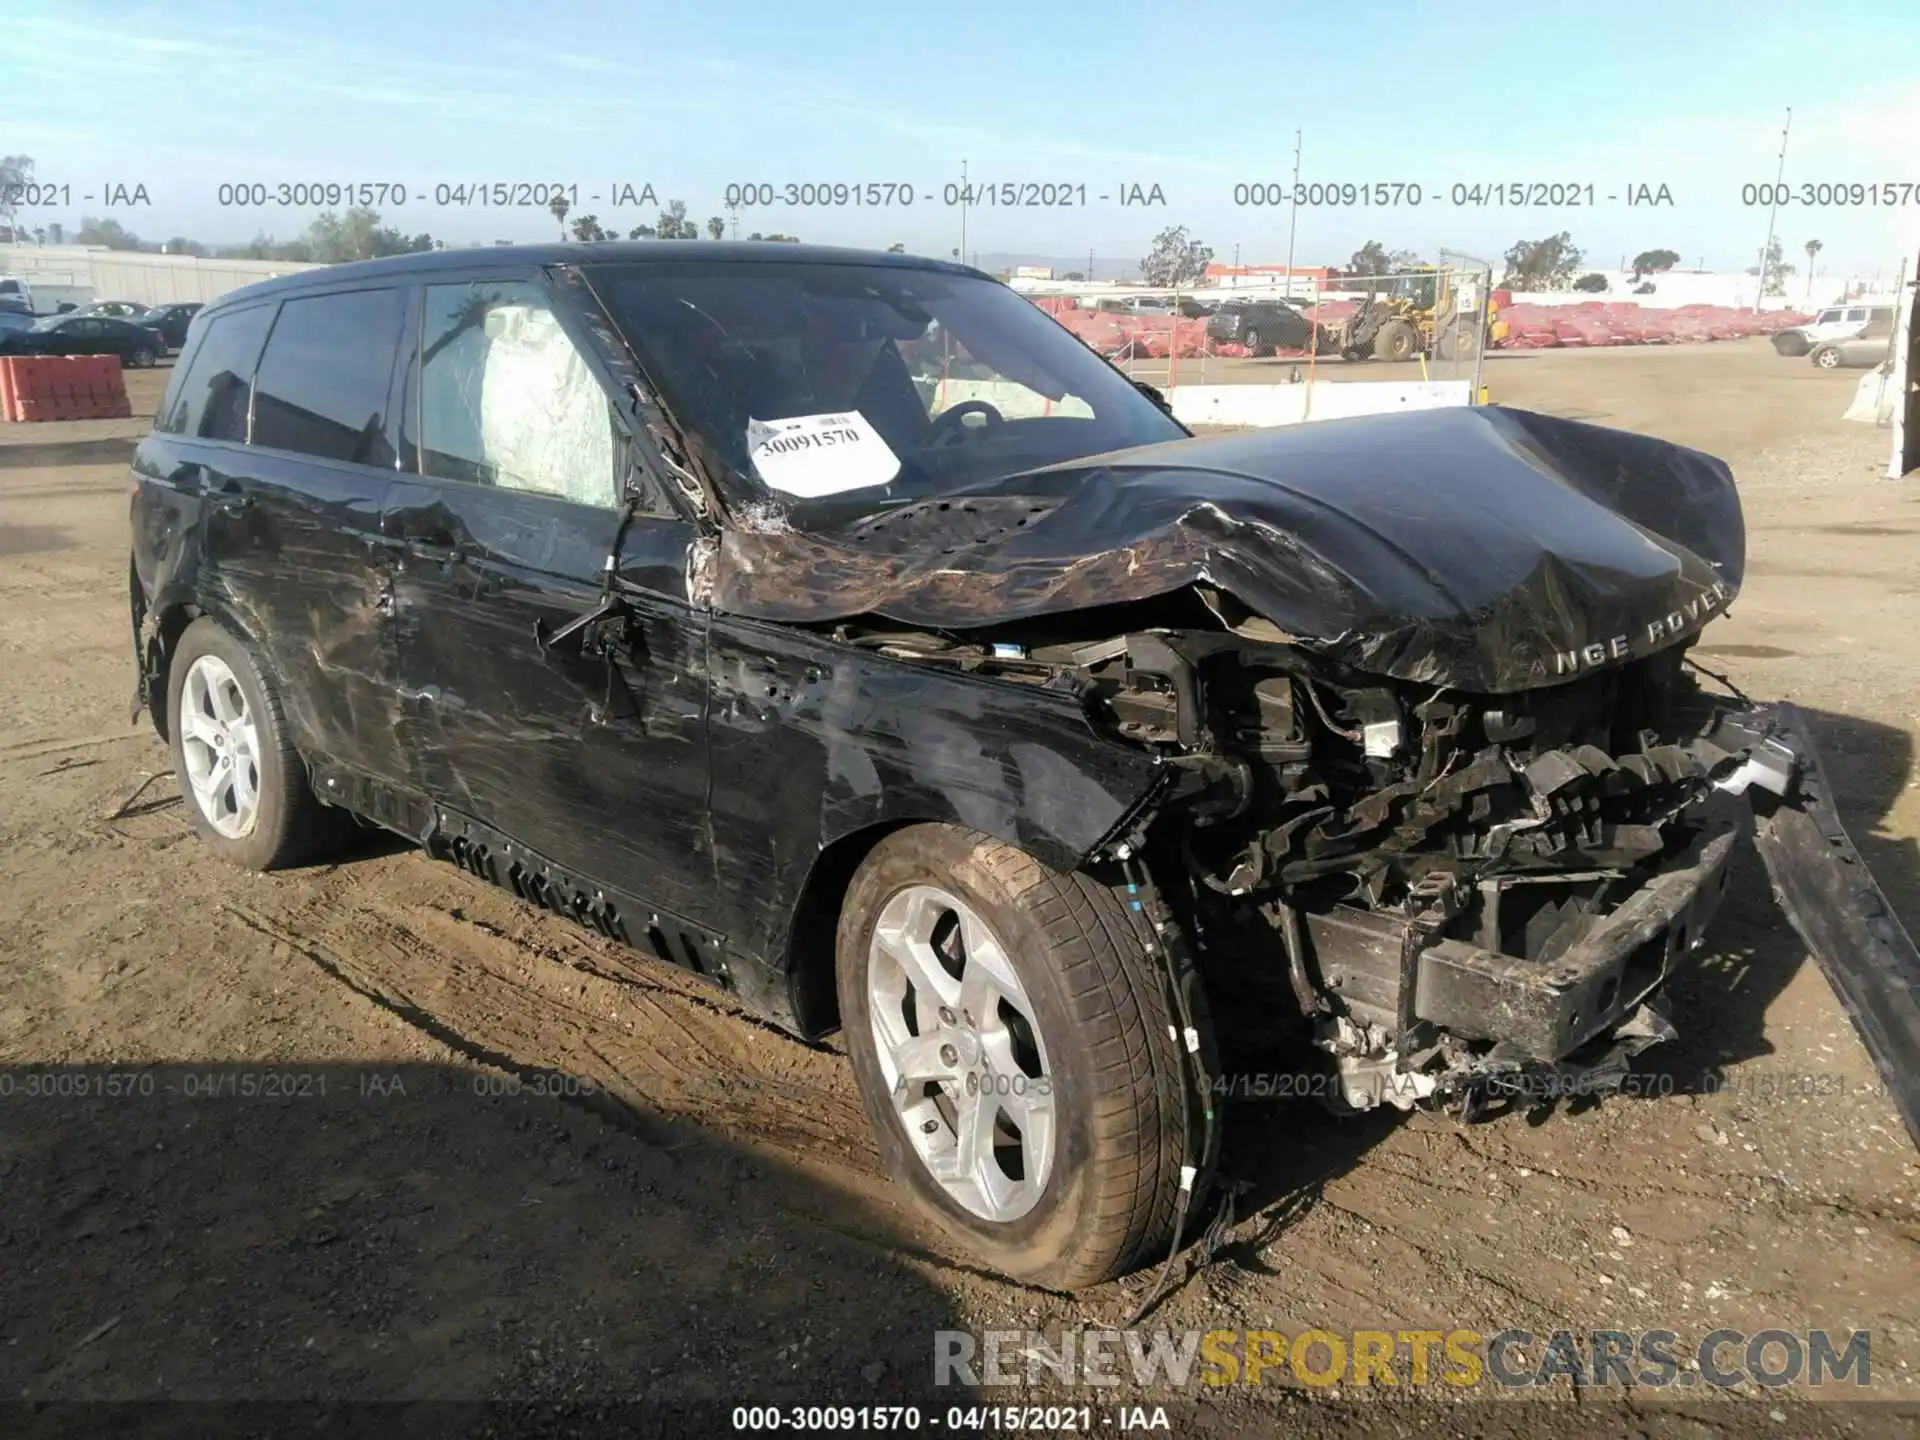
[(1480, 547)]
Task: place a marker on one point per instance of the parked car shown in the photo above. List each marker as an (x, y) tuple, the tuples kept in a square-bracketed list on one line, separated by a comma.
[(16, 320), (1263, 326), (171, 321), (136, 345), (114, 309), (1836, 322), (641, 580)]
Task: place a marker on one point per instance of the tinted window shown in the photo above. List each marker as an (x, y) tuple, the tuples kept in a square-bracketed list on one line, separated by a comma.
[(506, 399), (322, 386), (1853, 315), (1828, 317), (210, 399)]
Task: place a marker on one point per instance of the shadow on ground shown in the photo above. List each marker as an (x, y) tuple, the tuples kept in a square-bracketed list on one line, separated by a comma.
[(226, 1232)]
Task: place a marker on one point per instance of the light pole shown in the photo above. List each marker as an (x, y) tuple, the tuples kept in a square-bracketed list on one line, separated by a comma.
[(1773, 211), (1293, 219)]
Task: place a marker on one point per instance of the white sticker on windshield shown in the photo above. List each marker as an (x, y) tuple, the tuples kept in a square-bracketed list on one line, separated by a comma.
[(814, 455)]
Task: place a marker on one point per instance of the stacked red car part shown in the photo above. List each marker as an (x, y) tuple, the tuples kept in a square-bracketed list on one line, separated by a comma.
[(63, 387)]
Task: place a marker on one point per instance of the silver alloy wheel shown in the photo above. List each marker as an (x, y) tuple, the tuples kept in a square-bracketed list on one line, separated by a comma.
[(220, 746), (960, 1048)]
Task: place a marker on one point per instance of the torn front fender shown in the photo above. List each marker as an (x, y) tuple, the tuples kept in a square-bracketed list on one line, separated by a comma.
[(1831, 897)]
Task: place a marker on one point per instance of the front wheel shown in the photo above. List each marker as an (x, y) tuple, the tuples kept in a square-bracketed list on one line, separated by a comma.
[(1013, 1044), (141, 359), (1256, 347)]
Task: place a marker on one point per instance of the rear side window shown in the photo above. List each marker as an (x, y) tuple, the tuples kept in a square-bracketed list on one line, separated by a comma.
[(209, 401), (1853, 315), (322, 386)]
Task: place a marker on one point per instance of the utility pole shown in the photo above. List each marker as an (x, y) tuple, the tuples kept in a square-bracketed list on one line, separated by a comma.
[(964, 197), (1089, 262), (736, 222), (1761, 289), (1293, 219)]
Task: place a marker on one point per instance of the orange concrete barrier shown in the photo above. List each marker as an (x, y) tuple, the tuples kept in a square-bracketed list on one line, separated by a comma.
[(62, 387)]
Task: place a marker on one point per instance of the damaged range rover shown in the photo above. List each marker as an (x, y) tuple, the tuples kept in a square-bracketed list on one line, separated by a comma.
[(839, 627)]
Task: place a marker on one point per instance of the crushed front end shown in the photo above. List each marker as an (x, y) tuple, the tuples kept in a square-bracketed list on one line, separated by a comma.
[(1451, 894)]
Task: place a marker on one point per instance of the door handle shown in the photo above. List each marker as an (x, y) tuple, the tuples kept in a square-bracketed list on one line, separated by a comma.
[(230, 499)]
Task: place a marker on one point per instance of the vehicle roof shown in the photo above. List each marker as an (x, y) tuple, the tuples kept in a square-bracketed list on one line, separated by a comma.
[(584, 253)]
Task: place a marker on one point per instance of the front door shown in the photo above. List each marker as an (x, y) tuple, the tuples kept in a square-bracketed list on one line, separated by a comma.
[(592, 756)]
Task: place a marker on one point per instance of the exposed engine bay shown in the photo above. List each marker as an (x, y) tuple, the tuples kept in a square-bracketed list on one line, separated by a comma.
[(1440, 888)]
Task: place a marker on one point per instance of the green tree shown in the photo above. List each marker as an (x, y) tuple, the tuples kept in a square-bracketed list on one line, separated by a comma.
[(1813, 248), (1773, 270), (1547, 264), (1593, 282), (896, 248), (1175, 259), (357, 235), (673, 223), (558, 205), (716, 227), (784, 239), (109, 233), (642, 232), (1655, 261), (587, 227), (15, 171), (180, 245)]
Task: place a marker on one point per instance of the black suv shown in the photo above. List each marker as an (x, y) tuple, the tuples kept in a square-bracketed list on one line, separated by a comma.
[(1263, 326), (685, 590)]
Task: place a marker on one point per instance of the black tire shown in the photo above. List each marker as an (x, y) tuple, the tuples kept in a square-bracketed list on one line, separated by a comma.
[(1456, 342), (1827, 358), (290, 827), (141, 359), (1353, 354), (1251, 339), (1105, 1019), (1790, 344), (1396, 341)]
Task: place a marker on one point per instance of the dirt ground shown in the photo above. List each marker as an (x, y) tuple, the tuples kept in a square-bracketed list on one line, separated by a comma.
[(372, 1130)]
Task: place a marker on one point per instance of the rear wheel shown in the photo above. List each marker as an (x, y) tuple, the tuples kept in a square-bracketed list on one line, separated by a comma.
[(1012, 1040), (244, 783), (1827, 358), (1256, 347), (141, 359)]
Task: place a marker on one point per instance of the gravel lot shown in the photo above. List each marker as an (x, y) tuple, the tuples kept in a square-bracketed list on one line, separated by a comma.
[(320, 1149)]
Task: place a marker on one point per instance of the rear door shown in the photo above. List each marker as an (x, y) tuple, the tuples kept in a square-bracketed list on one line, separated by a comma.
[(593, 758), (294, 514)]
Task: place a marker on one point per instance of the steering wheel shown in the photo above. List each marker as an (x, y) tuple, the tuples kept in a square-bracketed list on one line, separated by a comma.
[(947, 422)]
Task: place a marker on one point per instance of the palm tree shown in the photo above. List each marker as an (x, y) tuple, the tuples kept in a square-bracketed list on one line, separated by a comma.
[(559, 207), (1814, 247)]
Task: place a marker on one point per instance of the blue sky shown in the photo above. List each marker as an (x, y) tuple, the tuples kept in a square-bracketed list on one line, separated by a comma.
[(1193, 98)]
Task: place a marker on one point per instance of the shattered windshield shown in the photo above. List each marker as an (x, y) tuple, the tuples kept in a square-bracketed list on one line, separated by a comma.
[(833, 390)]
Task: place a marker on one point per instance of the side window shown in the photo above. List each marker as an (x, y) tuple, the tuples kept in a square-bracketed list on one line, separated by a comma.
[(506, 399), (1855, 315), (209, 400), (322, 386)]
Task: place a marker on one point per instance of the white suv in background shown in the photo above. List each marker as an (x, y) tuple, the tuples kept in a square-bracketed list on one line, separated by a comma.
[(1836, 322)]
